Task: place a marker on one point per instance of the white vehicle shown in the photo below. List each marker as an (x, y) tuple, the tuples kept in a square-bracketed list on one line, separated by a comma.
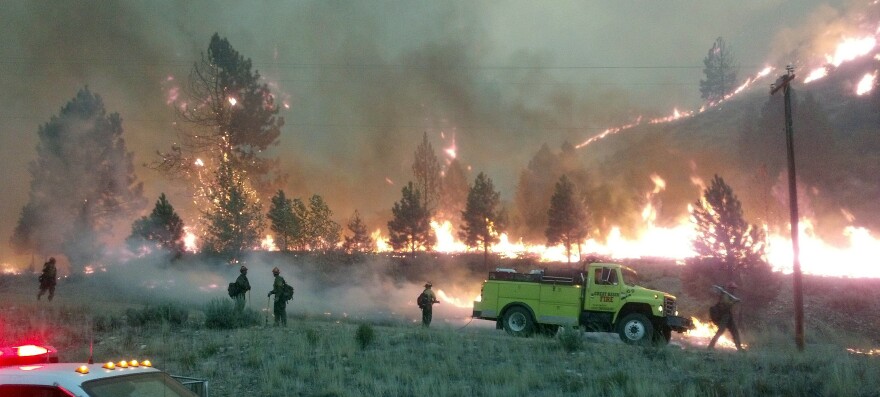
[(34, 371)]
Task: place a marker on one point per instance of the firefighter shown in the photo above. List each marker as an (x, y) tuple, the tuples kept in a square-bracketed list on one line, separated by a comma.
[(426, 303), (242, 286), (48, 279), (726, 300), (280, 303)]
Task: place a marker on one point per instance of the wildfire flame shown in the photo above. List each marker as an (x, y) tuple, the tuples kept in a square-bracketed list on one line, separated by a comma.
[(190, 240), (268, 244), (704, 331), (866, 83)]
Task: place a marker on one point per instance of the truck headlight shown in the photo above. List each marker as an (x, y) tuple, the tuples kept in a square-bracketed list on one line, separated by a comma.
[(660, 309)]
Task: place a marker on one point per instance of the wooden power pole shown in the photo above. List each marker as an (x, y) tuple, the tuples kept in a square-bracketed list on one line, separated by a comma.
[(783, 83)]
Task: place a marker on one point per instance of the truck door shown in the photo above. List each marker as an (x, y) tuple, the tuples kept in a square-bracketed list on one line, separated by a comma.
[(604, 290)]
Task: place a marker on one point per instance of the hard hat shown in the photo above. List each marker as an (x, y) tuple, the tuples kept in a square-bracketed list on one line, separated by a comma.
[(428, 284), (276, 271), (732, 285), (51, 259), (243, 268)]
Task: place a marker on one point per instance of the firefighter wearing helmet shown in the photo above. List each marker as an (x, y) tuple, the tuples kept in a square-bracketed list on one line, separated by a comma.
[(242, 286), (426, 302), (280, 307), (724, 314), (48, 279)]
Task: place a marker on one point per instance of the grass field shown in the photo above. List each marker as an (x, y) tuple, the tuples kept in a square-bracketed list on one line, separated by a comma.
[(347, 355)]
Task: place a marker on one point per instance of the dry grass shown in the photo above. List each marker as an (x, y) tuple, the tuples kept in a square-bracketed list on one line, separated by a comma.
[(318, 356)]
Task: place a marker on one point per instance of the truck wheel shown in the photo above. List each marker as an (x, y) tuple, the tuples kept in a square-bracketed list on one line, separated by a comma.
[(635, 329), (518, 322)]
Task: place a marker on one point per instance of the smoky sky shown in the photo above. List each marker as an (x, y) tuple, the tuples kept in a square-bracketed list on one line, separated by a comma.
[(365, 80)]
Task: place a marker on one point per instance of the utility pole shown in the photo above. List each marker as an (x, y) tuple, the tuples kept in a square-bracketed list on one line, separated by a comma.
[(783, 83)]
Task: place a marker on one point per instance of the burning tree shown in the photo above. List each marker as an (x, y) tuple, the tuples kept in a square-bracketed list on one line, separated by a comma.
[(360, 240), (82, 182), (426, 170), (284, 223), (720, 70), (728, 248), (163, 229), (226, 105), (234, 218), (483, 218), (411, 226), (567, 217)]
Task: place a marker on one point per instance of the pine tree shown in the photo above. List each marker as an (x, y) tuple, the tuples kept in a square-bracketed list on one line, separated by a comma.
[(720, 70), (82, 176), (225, 104), (162, 229), (304, 233), (453, 192), (426, 171), (728, 248), (410, 229), (284, 223), (234, 219), (360, 240), (324, 231), (482, 217), (567, 217)]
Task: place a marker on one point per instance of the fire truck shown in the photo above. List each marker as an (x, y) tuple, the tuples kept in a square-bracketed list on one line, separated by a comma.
[(600, 297), (34, 371)]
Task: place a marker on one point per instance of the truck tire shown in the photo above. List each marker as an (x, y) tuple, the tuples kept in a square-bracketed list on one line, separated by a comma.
[(518, 322), (635, 329)]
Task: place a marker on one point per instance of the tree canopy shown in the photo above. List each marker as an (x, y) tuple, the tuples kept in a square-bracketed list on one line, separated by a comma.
[(410, 228), (234, 219), (720, 70), (162, 229), (82, 183), (426, 171), (228, 109), (728, 248), (284, 223), (483, 217), (567, 218), (360, 239)]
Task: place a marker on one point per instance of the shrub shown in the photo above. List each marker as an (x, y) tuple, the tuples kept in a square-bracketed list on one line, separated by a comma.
[(571, 339), (364, 336), (221, 314), (170, 313)]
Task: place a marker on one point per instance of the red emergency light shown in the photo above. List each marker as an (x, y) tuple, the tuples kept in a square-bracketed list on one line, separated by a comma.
[(27, 354)]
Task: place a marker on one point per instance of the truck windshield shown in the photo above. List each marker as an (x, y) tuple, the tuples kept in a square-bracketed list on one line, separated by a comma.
[(138, 385), (630, 277)]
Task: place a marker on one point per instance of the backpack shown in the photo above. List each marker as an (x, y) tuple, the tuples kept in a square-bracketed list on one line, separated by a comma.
[(422, 300), (716, 311), (286, 292), (232, 290)]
